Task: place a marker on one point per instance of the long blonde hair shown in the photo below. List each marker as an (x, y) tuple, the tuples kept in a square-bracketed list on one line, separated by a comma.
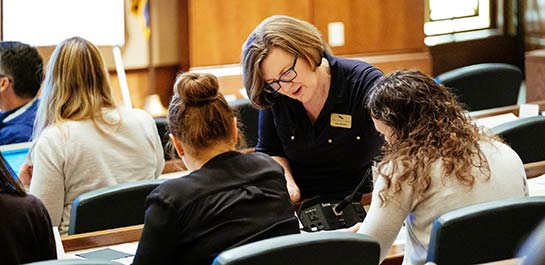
[(428, 125), (76, 86)]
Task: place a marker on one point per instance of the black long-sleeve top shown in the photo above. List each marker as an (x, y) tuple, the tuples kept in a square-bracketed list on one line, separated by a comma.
[(190, 220)]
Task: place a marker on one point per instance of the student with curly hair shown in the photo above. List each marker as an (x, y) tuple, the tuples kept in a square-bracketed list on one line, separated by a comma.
[(436, 160)]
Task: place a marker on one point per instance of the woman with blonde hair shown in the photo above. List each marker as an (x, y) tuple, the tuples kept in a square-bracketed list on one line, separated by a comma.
[(229, 198), (82, 140), (312, 119), (436, 160)]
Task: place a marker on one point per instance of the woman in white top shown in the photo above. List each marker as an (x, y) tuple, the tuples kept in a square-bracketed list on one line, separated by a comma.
[(435, 160), (82, 141)]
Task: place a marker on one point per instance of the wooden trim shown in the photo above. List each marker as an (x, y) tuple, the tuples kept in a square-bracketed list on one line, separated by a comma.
[(503, 110), (132, 234), (102, 238)]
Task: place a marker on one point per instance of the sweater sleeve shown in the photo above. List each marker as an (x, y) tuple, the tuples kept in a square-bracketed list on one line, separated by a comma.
[(383, 222), (48, 179)]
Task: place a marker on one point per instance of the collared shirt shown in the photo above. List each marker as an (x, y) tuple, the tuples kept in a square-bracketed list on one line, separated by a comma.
[(16, 125), (331, 155)]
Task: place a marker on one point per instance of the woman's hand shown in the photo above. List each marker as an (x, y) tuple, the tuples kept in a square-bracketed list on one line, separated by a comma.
[(25, 173), (354, 228), (293, 190)]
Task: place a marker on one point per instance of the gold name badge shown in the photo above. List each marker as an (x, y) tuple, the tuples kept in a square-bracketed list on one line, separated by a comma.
[(341, 120)]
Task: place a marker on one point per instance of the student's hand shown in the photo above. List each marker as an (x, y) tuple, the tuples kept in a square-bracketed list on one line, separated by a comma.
[(25, 173), (293, 190), (354, 228)]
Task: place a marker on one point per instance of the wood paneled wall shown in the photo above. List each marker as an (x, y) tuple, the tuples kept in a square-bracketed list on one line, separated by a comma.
[(386, 33), (374, 26), (138, 82), (217, 29), (496, 49)]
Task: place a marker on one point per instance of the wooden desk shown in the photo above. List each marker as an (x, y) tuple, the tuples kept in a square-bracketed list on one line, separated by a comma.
[(132, 234), (503, 110)]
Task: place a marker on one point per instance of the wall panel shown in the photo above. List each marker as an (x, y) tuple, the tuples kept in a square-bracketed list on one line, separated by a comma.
[(374, 26), (217, 29)]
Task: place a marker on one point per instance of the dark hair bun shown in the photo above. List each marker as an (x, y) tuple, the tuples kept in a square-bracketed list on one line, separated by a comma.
[(196, 89)]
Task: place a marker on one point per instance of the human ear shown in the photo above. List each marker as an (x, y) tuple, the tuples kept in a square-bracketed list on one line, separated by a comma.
[(177, 144)]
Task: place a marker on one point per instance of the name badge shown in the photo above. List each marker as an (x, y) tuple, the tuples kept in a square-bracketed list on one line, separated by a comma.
[(341, 120)]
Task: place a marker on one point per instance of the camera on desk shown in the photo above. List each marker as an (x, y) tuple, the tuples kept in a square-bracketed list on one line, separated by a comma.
[(316, 215)]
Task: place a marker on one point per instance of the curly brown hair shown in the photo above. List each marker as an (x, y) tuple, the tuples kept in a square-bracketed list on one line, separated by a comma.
[(428, 125)]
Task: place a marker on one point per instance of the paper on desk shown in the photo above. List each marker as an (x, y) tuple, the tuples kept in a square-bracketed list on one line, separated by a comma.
[(58, 243), (493, 121), (528, 110)]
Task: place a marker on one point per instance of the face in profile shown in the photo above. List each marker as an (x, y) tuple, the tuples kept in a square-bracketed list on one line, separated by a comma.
[(385, 130)]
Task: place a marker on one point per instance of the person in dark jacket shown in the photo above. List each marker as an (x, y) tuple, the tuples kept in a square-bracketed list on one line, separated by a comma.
[(228, 199), (25, 228)]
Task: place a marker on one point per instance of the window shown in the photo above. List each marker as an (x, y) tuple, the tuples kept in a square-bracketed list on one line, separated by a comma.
[(453, 16), (42, 23)]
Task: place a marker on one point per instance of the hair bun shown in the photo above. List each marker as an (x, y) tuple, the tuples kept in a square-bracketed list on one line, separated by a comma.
[(196, 89)]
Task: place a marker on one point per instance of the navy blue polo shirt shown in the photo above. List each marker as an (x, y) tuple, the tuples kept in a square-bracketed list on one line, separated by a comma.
[(331, 155)]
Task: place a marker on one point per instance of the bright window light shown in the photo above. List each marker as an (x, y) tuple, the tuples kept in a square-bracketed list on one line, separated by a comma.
[(451, 16), (43, 23)]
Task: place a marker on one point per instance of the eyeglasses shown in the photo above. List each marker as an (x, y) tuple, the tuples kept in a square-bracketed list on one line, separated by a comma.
[(286, 77)]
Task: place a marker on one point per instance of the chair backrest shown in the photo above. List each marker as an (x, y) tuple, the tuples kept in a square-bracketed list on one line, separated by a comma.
[(305, 249), (249, 117), (484, 86), (284, 227), (162, 129), (111, 207), (75, 262), (533, 249), (525, 136), (484, 232)]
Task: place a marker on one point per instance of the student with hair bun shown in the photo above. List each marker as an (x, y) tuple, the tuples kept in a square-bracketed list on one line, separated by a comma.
[(228, 198)]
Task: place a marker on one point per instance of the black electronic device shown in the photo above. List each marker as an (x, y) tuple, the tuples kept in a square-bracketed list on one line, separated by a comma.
[(316, 215), (319, 213)]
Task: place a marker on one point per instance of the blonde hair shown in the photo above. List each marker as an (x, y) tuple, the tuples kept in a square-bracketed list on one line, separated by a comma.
[(198, 113), (76, 86), (428, 125), (287, 33)]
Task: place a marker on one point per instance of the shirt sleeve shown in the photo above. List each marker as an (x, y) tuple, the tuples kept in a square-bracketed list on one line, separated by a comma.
[(375, 224), (15, 133), (48, 178), (158, 242), (366, 76), (267, 140)]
